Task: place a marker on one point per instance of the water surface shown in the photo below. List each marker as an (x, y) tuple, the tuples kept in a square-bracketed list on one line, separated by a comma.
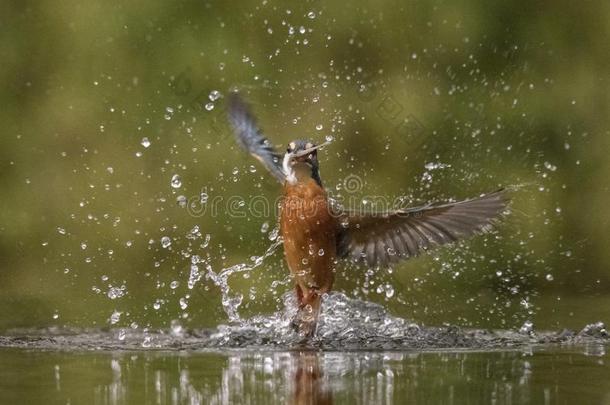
[(557, 375)]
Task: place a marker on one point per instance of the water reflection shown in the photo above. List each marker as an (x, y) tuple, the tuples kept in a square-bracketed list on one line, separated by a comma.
[(278, 377), (310, 384), (560, 375), (331, 377)]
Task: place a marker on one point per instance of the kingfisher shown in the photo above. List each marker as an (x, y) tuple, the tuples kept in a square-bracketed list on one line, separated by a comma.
[(318, 233)]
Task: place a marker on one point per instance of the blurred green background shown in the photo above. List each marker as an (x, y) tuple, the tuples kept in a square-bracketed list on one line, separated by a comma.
[(426, 100)]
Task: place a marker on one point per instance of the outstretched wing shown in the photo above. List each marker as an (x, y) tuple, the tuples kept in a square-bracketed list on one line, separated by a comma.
[(381, 239), (251, 139)]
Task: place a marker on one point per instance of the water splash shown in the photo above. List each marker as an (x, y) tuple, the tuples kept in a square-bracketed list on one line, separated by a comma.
[(343, 320), (231, 303), (344, 324)]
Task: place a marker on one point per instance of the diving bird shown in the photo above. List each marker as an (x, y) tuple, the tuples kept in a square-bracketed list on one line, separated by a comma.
[(317, 233)]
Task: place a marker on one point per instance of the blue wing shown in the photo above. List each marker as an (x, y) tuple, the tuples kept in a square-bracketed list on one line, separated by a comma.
[(251, 139)]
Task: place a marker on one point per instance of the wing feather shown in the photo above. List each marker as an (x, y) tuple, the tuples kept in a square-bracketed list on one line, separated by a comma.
[(378, 240), (250, 137)]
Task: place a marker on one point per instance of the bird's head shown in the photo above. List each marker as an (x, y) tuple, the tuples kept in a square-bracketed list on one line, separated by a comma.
[(301, 161)]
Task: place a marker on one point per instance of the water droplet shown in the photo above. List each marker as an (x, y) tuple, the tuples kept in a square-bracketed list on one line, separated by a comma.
[(311, 15), (436, 165), (194, 276), (206, 241), (274, 233), (116, 292), (319, 127), (122, 334), (265, 227), (147, 341), (166, 242), (176, 181), (181, 200), (174, 284), (209, 106), (176, 328), (321, 252), (549, 277), (61, 231), (115, 317), (145, 142), (169, 112), (527, 328), (214, 95), (550, 166)]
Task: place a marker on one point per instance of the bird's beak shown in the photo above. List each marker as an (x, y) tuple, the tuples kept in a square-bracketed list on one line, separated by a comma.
[(308, 151)]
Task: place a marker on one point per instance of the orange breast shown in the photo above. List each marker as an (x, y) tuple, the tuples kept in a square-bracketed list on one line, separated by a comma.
[(309, 233)]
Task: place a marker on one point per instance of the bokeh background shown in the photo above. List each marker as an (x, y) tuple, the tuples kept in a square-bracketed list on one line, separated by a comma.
[(104, 102)]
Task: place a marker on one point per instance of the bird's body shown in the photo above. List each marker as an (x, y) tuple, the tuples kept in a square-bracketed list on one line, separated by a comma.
[(316, 234), (309, 231)]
